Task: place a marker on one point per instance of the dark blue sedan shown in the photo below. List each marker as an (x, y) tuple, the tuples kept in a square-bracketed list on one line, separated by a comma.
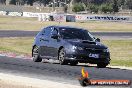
[(69, 45)]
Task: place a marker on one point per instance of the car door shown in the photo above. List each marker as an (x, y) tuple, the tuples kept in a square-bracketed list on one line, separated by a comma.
[(44, 42), (54, 44)]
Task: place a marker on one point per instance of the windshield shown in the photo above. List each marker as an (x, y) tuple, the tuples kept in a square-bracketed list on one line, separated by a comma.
[(72, 33)]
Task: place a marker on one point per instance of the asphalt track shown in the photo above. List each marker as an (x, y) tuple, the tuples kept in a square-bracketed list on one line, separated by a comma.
[(16, 33), (58, 73)]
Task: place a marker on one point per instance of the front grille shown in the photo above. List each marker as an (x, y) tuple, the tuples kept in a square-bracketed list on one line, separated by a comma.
[(93, 50)]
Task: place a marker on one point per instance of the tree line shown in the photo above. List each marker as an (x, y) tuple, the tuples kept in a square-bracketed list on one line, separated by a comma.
[(96, 6), (105, 6)]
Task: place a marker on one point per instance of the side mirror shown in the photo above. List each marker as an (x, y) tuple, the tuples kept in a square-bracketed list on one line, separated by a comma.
[(98, 40), (55, 36)]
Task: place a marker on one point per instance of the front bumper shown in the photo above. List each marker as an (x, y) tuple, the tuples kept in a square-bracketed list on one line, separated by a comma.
[(83, 58)]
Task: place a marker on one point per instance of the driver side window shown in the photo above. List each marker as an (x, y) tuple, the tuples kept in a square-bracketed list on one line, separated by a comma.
[(47, 32)]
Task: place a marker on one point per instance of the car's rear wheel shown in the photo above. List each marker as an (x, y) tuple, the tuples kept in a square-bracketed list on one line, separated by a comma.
[(36, 56), (102, 65), (61, 58)]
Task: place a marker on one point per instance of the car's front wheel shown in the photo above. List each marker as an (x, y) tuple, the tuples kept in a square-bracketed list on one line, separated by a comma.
[(102, 65), (61, 58), (36, 56)]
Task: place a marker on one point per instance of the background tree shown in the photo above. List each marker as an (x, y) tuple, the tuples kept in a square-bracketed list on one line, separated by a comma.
[(20, 2), (81, 5), (106, 8), (115, 6), (77, 7), (65, 8), (129, 4), (93, 8), (3, 1), (12, 2), (30, 2)]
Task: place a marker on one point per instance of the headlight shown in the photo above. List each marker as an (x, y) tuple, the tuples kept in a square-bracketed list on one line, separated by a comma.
[(74, 47), (106, 50)]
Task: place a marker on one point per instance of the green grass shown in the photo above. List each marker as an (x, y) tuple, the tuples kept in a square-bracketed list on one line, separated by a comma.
[(21, 23), (121, 50), (16, 45)]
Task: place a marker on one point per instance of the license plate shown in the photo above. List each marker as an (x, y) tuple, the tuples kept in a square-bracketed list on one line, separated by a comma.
[(94, 55)]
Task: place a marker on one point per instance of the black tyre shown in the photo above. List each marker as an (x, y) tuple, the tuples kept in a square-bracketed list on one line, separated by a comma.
[(61, 56), (36, 57), (102, 65)]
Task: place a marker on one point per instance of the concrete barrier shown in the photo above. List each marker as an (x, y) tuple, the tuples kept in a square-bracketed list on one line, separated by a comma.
[(15, 13), (3, 12), (103, 18)]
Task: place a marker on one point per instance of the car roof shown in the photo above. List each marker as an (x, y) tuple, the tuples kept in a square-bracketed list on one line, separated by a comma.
[(71, 27)]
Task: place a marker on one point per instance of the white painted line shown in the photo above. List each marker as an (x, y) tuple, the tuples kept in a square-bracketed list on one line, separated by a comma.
[(121, 67), (109, 66)]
